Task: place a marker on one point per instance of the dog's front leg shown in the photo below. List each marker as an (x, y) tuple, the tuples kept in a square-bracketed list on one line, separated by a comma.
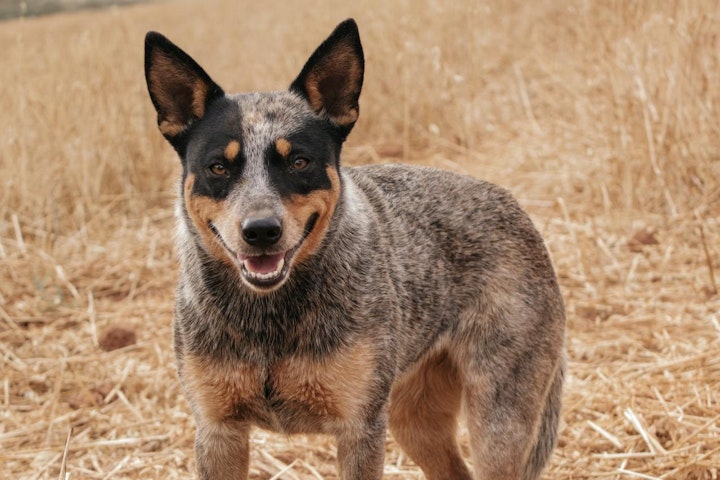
[(222, 450), (361, 451)]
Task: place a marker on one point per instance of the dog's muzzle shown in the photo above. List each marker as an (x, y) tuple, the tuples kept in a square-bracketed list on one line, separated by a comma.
[(268, 270)]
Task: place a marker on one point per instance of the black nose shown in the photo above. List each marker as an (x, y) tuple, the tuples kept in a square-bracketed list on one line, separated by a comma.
[(261, 232)]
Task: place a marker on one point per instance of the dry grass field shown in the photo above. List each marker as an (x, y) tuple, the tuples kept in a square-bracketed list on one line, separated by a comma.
[(603, 117)]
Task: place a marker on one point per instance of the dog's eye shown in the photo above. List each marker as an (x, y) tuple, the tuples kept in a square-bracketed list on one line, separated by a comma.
[(300, 163), (218, 169)]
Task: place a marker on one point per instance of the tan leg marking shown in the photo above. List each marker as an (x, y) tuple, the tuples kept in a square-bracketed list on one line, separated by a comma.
[(424, 406)]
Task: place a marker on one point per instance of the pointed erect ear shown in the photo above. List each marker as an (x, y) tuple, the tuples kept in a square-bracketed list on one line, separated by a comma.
[(179, 88), (332, 78)]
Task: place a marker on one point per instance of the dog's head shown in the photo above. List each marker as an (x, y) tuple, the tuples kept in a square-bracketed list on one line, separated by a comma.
[(261, 170)]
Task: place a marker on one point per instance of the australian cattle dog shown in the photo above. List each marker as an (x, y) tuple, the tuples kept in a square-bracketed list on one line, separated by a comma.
[(317, 298)]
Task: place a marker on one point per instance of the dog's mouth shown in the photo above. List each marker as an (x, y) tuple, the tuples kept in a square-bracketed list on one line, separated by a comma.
[(268, 270)]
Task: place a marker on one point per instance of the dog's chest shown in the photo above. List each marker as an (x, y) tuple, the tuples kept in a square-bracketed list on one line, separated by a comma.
[(293, 395)]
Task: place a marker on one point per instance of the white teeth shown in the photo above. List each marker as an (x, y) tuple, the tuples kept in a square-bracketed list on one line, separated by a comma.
[(264, 276)]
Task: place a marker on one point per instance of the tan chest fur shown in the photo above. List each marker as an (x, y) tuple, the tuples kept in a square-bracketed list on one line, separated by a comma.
[(295, 394)]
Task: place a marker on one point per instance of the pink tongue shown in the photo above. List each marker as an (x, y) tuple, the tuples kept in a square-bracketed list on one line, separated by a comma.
[(263, 263)]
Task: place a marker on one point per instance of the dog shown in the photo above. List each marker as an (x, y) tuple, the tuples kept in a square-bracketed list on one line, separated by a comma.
[(317, 298)]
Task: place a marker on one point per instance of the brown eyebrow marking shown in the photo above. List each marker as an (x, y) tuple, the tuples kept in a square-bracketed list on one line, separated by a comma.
[(283, 146), (232, 150)]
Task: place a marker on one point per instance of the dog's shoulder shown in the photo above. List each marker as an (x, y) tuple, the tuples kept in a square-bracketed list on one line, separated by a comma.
[(455, 222), (425, 195)]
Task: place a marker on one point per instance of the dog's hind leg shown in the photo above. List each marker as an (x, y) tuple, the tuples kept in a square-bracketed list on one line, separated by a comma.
[(424, 407), (512, 410), (547, 435)]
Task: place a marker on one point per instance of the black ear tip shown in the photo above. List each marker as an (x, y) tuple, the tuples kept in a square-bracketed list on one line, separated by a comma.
[(349, 23), (347, 27), (153, 39)]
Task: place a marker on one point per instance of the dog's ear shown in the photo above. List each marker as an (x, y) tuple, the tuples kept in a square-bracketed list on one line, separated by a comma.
[(332, 78), (179, 88)]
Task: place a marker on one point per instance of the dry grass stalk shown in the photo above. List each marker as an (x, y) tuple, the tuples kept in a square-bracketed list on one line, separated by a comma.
[(601, 116), (63, 464)]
